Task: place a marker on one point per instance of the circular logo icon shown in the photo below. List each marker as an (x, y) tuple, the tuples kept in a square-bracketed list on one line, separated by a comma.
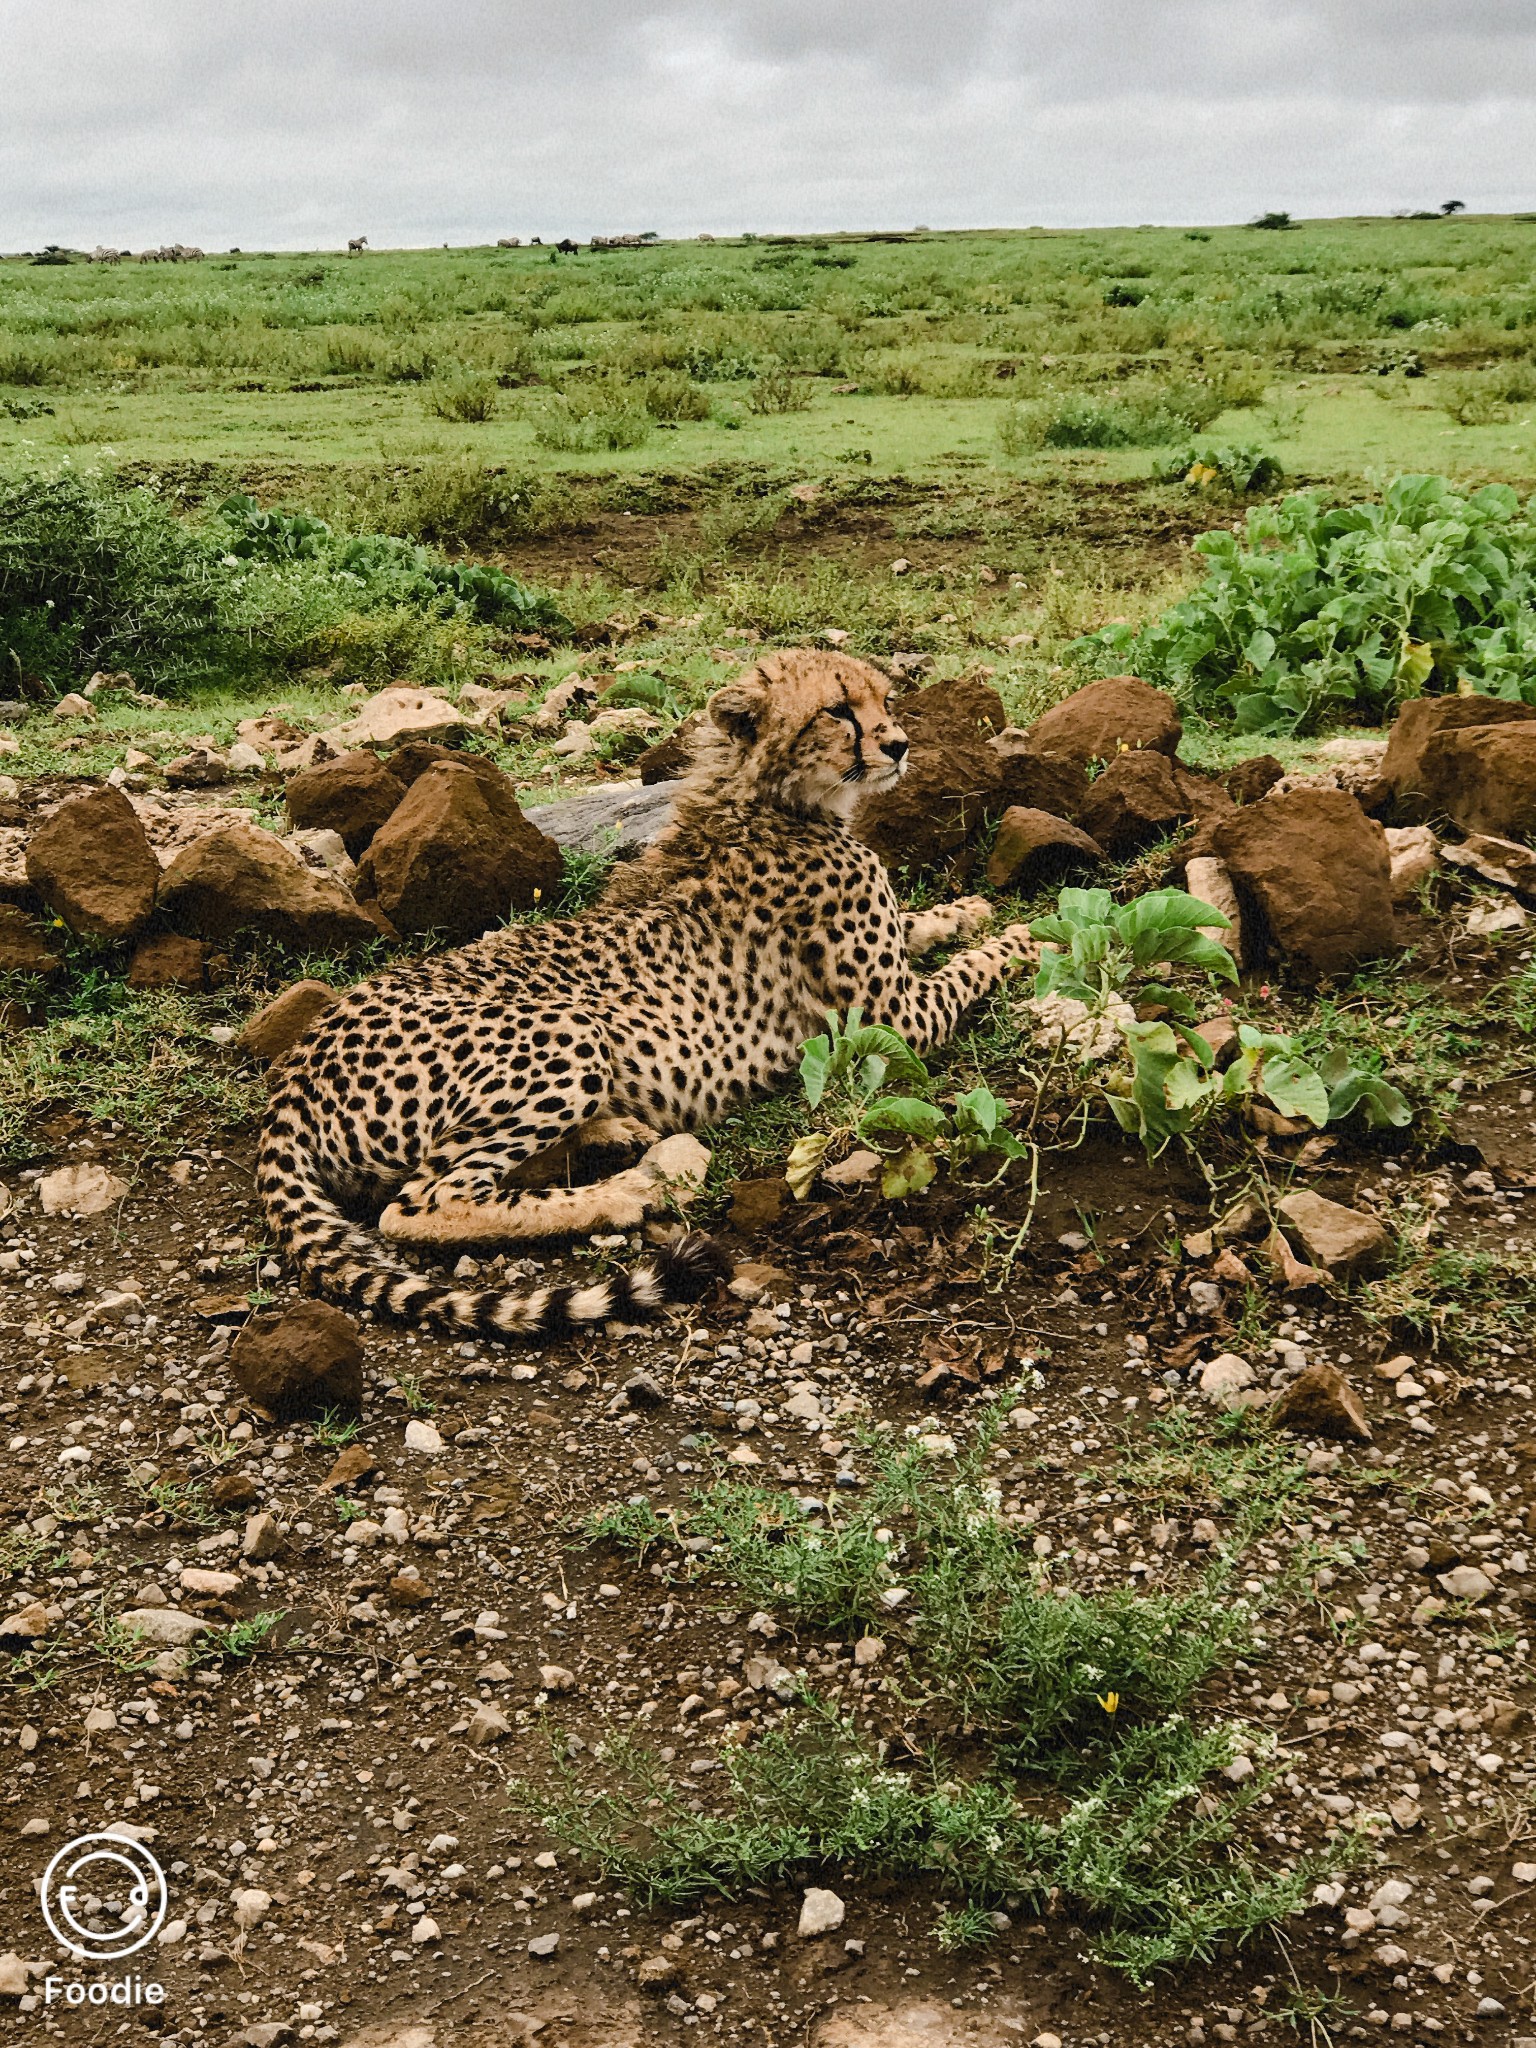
[(104, 1897)]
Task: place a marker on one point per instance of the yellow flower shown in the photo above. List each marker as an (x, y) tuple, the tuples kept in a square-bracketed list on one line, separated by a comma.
[(1109, 1701)]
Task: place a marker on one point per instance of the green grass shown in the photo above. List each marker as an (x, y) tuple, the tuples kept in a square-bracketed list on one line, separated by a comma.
[(1062, 1750)]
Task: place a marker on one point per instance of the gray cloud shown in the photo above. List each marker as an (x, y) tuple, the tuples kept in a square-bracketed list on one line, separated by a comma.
[(296, 124)]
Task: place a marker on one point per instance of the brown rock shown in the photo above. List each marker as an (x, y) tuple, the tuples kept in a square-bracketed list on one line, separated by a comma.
[(234, 1490), (407, 1590), (353, 1462), (1503, 861), (1032, 848), (1417, 726), (239, 878), (671, 756), (1106, 718), (302, 1362), (1321, 1402), (1346, 1241), (93, 866), (200, 768), (1484, 778), (457, 855), (1317, 868), (351, 795), (1135, 802), (954, 777), (275, 1030), (1247, 781), (168, 960), (758, 1204), (24, 949), (1038, 782)]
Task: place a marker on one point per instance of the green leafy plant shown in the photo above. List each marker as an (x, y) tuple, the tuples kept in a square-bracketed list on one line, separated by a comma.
[(1238, 470), (1314, 611), (845, 1071), (1097, 948)]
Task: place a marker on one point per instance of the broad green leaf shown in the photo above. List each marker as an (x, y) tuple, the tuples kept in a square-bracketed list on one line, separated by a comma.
[(908, 1173), (906, 1114), (1295, 1089)]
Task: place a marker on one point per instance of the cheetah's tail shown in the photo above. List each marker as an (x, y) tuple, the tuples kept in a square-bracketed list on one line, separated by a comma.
[(347, 1264)]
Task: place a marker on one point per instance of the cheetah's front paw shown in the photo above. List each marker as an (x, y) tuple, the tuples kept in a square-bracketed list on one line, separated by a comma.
[(970, 914)]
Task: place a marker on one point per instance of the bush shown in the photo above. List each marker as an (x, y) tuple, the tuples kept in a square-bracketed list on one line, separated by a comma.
[(585, 419), (673, 395), (777, 389), (1348, 610), (469, 399), (1241, 471)]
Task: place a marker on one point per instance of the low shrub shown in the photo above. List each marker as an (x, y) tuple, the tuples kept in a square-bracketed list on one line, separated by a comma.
[(469, 399), (1314, 611)]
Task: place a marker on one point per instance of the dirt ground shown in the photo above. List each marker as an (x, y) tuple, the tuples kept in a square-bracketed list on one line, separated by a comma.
[(336, 1771)]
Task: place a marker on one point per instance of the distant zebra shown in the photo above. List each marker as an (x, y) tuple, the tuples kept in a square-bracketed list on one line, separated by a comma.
[(510, 242), (357, 245), (100, 255)]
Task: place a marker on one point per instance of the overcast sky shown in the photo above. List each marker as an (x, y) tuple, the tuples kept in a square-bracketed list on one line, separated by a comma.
[(296, 123)]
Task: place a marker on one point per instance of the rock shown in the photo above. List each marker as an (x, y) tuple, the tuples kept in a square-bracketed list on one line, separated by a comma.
[(1249, 780), (209, 1585), (244, 759), (820, 1912), (396, 715), (198, 768), (543, 1944), (353, 1462), (1138, 800), (423, 1436), (487, 1724), (1418, 726), (1465, 1582), (80, 1191), (572, 694), (1502, 861), (1209, 881), (1032, 849), (1411, 851), (23, 947), (954, 778), (621, 819), (28, 1625), (1317, 868), (277, 1028), (73, 705), (1105, 718), (556, 1678), (1346, 1241), (263, 1538), (1321, 1402), (302, 1362), (352, 795), (14, 1975), (1224, 1378), (1485, 777), (456, 855), (758, 1204), (670, 758), (92, 864), (658, 1973), (167, 1626), (168, 960), (252, 1905), (239, 878)]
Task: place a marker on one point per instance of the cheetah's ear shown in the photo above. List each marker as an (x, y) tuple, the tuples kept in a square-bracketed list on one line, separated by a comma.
[(738, 708)]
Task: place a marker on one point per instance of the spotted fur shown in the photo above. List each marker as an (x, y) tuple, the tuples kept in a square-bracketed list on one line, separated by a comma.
[(457, 1090)]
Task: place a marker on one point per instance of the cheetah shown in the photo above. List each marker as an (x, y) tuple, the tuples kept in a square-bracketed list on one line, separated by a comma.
[(459, 1091)]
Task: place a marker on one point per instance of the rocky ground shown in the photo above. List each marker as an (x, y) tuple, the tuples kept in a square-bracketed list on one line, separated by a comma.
[(310, 1661)]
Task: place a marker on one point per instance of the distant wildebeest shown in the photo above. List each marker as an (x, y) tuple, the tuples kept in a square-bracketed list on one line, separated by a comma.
[(567, 247), (357, 245)]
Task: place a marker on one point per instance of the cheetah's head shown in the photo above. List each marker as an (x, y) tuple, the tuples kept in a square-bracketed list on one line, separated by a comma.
[(812, 731)]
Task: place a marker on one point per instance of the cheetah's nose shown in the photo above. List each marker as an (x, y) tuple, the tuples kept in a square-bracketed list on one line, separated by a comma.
[(897, 749)]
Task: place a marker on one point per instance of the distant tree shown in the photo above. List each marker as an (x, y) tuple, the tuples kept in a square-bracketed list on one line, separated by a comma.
[(1272, 220), (1449, 206)]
